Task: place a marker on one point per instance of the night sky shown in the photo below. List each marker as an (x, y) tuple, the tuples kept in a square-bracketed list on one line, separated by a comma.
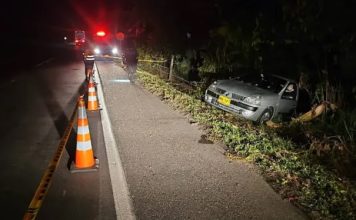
[(33, 20), (31, 24), (41, 19)]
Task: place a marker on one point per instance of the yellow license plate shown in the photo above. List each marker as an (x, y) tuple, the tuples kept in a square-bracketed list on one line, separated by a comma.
[(224, 100)]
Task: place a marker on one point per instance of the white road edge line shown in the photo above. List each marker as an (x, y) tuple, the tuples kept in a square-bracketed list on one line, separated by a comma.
[(123, 202)]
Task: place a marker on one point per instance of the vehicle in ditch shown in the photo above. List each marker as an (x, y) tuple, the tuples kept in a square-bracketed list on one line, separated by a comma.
[(255, 97)]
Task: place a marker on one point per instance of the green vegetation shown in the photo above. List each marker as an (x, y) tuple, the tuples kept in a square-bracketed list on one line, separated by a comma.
[(295, 171), (310, 164)]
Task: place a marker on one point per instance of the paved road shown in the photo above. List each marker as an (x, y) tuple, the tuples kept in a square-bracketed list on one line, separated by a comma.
[(36, 106), (172, 176), (169, 174)]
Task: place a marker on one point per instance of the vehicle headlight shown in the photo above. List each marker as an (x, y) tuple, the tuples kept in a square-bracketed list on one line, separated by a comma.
[(114, 50), (253, 100), (97, 51)]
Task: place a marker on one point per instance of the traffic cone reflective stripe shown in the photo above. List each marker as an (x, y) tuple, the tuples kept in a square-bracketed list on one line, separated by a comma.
[(84, 157), (92, 99)]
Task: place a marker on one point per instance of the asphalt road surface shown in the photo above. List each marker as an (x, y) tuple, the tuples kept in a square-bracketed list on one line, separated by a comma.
[(36, 106), (170, 175), (166, 173)]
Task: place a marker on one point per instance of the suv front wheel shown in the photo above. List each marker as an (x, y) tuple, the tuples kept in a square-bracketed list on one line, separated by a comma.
[(265, 116)]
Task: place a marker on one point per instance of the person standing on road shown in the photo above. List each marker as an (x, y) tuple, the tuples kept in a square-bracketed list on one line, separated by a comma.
[(131, 59), (131, 63)]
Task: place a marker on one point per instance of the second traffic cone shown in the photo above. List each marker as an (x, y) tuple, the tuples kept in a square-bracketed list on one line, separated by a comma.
[(88, 73), (92, 98), (84, 158)]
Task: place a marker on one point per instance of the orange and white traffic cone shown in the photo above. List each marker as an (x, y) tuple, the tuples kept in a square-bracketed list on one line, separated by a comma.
[(88, 70), (92, 98), (88, 74), (84, 158)]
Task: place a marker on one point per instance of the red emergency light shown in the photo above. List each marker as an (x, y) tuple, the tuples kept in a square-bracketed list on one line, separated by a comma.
[(100, 33)]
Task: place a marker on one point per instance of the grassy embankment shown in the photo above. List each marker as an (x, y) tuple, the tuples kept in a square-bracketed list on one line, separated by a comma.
[(291, 169)]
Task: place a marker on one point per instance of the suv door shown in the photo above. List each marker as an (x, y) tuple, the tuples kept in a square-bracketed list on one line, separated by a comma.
[(288, 100)]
